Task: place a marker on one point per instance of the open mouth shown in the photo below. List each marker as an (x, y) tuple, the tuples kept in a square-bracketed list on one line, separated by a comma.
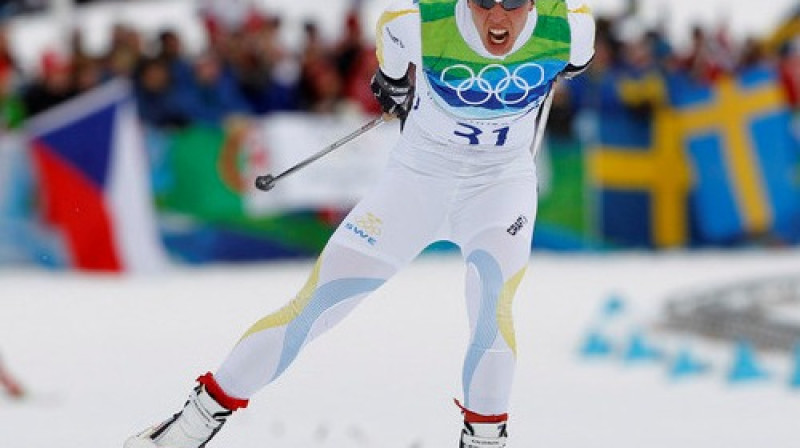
[(498, 36)]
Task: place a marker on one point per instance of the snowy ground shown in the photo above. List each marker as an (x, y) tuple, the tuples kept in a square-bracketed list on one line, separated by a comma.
[(105, 357)]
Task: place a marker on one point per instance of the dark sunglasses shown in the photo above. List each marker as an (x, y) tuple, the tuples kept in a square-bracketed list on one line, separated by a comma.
[(508, 5)]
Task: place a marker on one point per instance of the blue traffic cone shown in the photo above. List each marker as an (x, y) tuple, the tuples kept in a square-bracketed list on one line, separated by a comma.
[(639, 349), (745, 367), (686, 364), (596, 345), (614, 306), (795, 380)]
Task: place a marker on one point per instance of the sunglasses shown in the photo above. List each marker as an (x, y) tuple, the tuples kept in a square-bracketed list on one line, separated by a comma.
[(508, 5)]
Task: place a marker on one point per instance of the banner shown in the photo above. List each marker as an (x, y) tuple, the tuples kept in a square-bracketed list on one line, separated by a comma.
[(339, 180), (94, 181), (213, 212)]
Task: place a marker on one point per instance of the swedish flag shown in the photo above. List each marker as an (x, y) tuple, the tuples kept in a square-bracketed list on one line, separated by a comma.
[(737, 137), (710, 164), (638, 169)]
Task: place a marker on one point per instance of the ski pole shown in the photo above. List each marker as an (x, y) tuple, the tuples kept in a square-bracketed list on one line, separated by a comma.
[(267, 182), (541, 123)]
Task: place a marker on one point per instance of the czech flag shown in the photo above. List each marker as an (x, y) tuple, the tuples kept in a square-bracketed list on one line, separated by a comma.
[(94, 181)]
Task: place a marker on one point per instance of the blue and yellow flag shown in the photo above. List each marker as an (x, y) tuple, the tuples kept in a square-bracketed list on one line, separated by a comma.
[(737, 137), (706, 165), (638, 169)]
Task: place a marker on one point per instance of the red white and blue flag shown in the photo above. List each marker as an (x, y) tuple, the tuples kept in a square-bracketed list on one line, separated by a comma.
[(94, 181)]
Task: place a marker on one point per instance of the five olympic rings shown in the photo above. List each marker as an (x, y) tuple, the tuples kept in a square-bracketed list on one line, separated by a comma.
[(513, 80)]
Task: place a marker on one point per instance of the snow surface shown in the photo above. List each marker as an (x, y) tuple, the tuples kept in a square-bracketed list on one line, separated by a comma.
[(105, 357)]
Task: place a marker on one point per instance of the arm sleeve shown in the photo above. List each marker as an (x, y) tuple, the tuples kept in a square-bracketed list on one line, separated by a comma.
[(398, 38), (582, 26)]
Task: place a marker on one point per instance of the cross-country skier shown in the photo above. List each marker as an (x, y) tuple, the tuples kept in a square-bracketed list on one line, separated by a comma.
[(461, 171)]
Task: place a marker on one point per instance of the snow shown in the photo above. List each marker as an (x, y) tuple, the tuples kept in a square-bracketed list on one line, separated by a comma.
[(107, 356)]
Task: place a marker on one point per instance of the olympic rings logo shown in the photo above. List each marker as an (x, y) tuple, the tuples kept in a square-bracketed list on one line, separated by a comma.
[(510, 82)]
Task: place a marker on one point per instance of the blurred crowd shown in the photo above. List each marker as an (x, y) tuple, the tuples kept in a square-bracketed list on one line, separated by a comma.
[(628, 51), (245, 69)]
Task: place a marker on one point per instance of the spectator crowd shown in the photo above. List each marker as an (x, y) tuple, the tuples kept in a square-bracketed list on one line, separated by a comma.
[(245, 69), (629, 54)]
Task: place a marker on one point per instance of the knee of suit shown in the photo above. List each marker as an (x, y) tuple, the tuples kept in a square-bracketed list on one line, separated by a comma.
[(490, 297)]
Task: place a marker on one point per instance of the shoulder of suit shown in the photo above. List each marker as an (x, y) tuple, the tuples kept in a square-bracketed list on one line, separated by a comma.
[(578, 7)]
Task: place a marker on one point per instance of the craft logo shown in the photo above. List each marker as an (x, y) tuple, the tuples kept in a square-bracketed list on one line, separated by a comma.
[(517, 226), (367, 227)]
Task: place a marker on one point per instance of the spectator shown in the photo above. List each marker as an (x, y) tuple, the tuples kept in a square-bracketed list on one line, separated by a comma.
[(78, 52), (53, 86), (87, 75), (752, 55), (349, 48), (124, 54), (701, 62), (321, 86), (356, 63), (267, 74), (170, 50), (356, 88), (320, 83), (594, 93), (159, 103), (213, 96)]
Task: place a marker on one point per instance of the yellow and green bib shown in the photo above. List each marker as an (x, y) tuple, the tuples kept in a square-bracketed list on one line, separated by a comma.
[(469, 85)]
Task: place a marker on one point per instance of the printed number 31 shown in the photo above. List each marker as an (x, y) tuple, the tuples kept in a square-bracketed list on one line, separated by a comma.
[(474, 133)]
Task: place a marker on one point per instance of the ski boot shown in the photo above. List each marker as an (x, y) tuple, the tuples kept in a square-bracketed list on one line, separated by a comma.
[(483, 431), (202, 416)]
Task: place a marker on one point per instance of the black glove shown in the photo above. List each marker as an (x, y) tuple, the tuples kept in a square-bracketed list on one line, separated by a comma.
[(394, 95)]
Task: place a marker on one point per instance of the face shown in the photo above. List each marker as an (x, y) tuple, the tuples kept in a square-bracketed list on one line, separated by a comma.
[(498, 27)]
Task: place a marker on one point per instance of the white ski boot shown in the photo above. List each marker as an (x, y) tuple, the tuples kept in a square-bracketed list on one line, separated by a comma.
[(483, 435), (482, 431), (198, 422)]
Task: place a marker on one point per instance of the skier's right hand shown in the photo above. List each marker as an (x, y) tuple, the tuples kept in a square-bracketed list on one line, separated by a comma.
[(394, 95)]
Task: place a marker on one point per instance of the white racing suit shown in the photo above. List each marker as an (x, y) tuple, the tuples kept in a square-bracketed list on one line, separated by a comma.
[(468, 180)]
